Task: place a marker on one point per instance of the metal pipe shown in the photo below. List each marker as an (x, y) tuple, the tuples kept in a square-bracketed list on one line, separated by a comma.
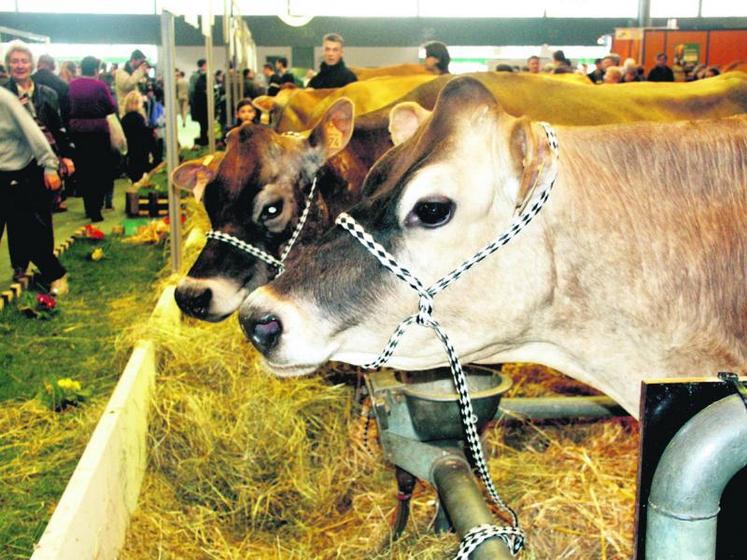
[(545, 408), (691, 476), (465, 505), (210, 85), (644, 13)]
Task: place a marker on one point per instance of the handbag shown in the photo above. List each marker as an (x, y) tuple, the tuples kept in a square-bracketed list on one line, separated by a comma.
[(116, 134)]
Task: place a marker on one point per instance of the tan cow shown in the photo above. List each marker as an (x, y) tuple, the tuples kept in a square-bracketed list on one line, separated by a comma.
[(296, 109), (366, 73), (635, 268)]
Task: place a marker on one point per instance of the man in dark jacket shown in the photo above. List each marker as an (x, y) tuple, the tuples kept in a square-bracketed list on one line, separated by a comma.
[(333, 73), (661, 72), (45, 75), (198, 103), (286, 76)]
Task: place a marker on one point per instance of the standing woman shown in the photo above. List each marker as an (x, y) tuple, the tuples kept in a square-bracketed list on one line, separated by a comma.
[(90, 103), (28, 168), (182, 95), (41, 102), (139, 136)]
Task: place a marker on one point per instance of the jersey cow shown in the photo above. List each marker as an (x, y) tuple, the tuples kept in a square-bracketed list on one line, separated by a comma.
[(257, 191), (635, 268)]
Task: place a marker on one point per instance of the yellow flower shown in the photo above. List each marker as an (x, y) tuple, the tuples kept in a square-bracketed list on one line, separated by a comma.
[(68, 384)]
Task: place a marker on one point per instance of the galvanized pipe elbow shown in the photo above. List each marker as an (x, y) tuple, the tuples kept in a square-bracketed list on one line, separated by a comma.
[(692, 473)]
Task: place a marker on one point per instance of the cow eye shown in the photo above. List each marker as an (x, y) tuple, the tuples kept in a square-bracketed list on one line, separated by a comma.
[(431, 212), (271, 210)]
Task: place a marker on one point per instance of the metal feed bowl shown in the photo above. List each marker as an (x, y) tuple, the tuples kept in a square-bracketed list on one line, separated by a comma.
[(433, 402)]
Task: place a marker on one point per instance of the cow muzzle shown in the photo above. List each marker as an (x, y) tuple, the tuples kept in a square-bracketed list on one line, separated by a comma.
[(210, 300), (293, 340)]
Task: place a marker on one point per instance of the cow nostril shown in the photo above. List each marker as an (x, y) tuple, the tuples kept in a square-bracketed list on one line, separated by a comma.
[(194, 301), (265, 332)]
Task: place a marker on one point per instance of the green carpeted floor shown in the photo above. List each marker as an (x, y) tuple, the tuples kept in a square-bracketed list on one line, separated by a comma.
[(66, 223)]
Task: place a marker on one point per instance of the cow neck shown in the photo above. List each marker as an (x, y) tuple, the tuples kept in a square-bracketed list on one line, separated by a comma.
[(261, 253), (544, 172)]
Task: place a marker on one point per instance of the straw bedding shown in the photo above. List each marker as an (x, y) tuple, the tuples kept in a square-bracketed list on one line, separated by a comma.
[(246, 465)]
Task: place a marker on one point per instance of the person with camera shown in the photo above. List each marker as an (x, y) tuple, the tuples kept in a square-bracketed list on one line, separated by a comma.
[(129, 77)]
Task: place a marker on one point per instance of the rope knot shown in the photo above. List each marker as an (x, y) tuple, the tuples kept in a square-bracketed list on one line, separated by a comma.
[(425, 309)]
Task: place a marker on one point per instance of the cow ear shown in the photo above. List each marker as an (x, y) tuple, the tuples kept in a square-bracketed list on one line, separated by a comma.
[(264, 104), (461, 96), (195, 175), (404, 119), (334, 130), (531, 155)]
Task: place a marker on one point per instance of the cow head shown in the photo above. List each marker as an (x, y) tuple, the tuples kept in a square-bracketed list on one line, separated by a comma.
[(256, 193), (447, 189)]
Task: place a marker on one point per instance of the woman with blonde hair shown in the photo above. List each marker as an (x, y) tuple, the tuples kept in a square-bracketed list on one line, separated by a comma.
[(139, 136)]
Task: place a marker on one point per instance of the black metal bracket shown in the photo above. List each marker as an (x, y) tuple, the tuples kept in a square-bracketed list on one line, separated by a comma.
[(733, 380)]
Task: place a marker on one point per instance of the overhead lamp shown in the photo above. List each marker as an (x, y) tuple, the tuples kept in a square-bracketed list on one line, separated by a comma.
[(292, 19)]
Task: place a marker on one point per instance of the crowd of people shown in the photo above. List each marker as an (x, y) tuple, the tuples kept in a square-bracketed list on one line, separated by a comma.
[(610, 70), (65, 134)]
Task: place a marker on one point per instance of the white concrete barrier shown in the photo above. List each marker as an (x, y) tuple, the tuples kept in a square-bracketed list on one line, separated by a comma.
[(91, 519)]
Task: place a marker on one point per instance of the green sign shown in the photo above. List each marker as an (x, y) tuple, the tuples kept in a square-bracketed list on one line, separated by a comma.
[(691, 53)]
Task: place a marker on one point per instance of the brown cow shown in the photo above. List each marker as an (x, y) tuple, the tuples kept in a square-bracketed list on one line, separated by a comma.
[(635, 268), (256, 192)]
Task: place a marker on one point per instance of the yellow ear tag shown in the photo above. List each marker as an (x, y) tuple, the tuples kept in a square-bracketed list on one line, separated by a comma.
[(334, 136)]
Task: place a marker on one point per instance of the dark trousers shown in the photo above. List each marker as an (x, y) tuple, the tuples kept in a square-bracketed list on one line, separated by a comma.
[(94, 169), (203, 139), (26, 208)]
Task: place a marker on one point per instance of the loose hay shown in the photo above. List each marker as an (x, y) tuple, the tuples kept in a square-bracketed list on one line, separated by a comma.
[(244, 465)]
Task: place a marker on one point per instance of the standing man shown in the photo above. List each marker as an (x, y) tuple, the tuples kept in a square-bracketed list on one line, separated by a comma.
[(332, 73), (533, 64), (661, 72), (597, 75), (198, 105), (128, 78), (251, 88), (272, 79), (286, 77), (437, 58), (45, 75)]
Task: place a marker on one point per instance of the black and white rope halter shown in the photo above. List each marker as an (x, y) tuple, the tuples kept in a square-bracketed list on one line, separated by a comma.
[(512, 535), (264, 255)]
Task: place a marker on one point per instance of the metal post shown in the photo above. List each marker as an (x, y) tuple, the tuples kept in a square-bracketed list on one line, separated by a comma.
[(210, 92), (644, 13), (466, 506), (172, 157), (228, 79)]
